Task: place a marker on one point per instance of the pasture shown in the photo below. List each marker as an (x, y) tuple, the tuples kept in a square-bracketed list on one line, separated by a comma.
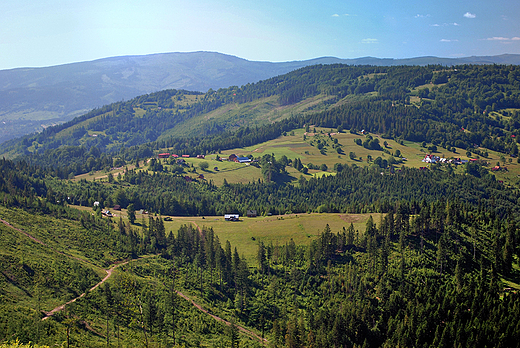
[(248, 232), (303, 145)]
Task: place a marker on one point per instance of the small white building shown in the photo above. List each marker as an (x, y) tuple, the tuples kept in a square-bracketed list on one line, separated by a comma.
[(231, 217)]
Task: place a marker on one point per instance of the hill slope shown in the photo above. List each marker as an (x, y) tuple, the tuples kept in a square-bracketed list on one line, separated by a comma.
[(33, 98)]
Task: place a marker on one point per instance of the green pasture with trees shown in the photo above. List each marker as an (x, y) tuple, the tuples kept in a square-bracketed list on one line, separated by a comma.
[(356, 242)]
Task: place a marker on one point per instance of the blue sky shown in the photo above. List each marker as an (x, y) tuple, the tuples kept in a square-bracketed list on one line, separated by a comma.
[(51, 32)]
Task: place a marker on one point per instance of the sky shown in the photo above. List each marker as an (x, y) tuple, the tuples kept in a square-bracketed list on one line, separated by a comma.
[(36, 33)]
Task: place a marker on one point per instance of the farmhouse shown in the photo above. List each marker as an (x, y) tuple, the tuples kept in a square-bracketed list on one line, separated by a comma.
[(164, 155), (431, 159), (107, 213), (232, 158), (231, 217), (251, 213), (201, 156), (242, 160)]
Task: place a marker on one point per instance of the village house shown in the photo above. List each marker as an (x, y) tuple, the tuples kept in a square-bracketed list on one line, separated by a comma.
[(164, 155), (251, 213), (242, 160), (231, 217)]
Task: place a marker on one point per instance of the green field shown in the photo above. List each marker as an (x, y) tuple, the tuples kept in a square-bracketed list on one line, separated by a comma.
[(278, 229), (246, 233)]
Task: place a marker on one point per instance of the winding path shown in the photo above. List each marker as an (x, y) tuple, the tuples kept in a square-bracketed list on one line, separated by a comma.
[(199, 307), (109, 274), (59, 308)]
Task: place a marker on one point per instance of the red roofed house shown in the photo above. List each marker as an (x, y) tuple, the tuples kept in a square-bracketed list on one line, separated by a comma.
[(164, 155)]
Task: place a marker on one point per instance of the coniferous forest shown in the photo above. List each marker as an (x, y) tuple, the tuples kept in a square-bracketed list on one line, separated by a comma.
[(435, 264)]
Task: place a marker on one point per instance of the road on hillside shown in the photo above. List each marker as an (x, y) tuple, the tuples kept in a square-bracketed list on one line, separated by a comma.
[(109, 274)]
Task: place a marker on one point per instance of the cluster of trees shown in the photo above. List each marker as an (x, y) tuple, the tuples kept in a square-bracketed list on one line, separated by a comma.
[(354, 189)]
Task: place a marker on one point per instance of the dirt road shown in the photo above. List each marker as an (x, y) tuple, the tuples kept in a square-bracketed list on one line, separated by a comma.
[(199, 307), (109, 274)]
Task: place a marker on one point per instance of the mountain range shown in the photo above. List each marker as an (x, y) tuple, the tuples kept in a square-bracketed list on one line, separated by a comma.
[(33, 98)]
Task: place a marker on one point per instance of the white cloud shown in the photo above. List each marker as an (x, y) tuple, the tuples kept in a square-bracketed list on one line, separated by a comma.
[(503, 39), (421, 16), (447, 40), (335, 15), (369, 41), (445, 24), (470, 15), (497, 38)]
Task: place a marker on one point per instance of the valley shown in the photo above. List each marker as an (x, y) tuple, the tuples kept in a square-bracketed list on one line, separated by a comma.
[(383, 207)]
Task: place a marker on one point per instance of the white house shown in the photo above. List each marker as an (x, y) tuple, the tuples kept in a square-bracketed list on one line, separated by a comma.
[(231, 217)]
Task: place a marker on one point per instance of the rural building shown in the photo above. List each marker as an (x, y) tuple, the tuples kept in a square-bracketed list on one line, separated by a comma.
[(201, 156), (243, 160), (164, 155), (117, 207), (232, 158), (201, 176), (186, 156), (231, 217), (175, 156), (251, 213)]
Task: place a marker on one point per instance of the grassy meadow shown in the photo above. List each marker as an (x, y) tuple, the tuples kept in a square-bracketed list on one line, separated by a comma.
[(246, 233), (299, 144)]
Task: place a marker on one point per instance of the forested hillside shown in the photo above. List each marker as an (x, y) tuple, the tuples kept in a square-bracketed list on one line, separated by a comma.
[(424, 274), (464, 106), (434, 264)]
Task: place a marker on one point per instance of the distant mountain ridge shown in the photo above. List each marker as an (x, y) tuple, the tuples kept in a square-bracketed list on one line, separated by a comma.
[(32, 98)]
